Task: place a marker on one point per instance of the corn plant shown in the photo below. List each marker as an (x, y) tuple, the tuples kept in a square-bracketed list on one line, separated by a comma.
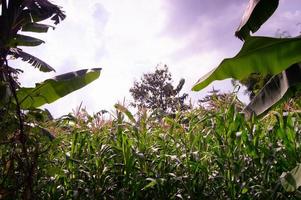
[(213, 154)]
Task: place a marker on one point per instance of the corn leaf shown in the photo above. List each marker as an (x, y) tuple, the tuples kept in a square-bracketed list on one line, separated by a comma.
[(124, 110)]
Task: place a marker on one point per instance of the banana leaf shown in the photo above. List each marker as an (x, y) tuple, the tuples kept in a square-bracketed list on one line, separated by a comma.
[(279, 88), (37, 28), (263, 55), (24, 40), (55, 88), (257, 12), (34, 61)]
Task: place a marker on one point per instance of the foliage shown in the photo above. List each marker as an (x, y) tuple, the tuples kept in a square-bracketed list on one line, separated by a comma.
[(288, 81), (254, 82), (23, 139), (262, 55), (217, 100), (25, 16), (55, 88), (156, 92), (213, 154), (257, 13), (207, 152), (275, 54)]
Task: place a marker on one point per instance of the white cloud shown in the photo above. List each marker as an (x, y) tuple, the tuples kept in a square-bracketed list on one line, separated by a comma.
[(122, 38)]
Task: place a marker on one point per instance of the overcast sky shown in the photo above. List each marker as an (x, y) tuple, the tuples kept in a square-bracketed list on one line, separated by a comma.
[(127, 38)]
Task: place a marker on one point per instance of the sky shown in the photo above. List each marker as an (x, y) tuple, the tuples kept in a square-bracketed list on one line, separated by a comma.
[(128, 38)]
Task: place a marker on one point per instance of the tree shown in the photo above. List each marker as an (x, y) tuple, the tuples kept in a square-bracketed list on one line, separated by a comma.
[(155, 91)]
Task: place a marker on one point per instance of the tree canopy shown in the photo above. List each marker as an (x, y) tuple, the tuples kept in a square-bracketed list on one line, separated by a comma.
[(155, 91)]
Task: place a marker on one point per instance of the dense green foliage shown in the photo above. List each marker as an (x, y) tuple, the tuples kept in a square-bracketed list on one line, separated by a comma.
[(18, 105), (156, 92), (200, 154), (210, 152)]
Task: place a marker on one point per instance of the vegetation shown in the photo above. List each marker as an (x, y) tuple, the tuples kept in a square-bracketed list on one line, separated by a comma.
[(256, 81), (253, 83), (156, 92), (19, 117), (264, 55), (204, 153), (207, 152)]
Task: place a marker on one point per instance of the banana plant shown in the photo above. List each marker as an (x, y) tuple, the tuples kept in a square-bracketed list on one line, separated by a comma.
[(21, 16), (16, 18), (266, 55)]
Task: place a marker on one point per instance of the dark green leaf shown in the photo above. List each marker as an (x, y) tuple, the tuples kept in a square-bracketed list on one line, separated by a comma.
[(38, 28), (34, 61), (42, 10), (44, 132), (258, 55), (38, 115), (5, 93), (257, 12), (52, 89), (24, 40), (279, 86), (291, 180)]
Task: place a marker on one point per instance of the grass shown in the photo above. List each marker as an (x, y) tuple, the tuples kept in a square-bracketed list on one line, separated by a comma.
[(200, 154)]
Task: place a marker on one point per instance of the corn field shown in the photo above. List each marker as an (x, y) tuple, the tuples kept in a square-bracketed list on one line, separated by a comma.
[(198, 154)]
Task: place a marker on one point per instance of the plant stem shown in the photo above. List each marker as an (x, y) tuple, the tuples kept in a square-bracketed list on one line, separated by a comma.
[(28, 169)]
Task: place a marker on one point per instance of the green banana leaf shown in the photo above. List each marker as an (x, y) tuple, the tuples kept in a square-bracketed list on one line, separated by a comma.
[(258, 55), (53, 89), (257, 12), (34, 61), (41, 10), (35, 27), (24, 40), (280, 87)]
